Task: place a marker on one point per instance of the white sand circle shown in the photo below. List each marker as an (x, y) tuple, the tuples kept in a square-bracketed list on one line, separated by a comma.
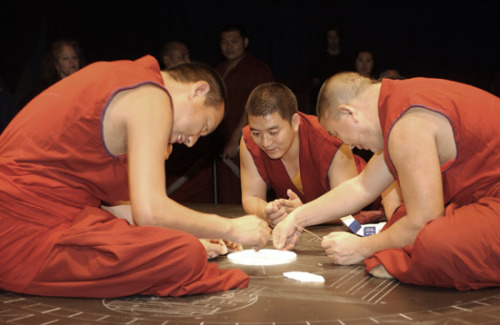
[(262, 257)]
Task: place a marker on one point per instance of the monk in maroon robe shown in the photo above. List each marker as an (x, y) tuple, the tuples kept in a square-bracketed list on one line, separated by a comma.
[(290, 153), (241, 73), (440, 139)]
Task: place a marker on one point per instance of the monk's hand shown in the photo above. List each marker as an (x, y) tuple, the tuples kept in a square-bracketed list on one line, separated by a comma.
[(233, 247), (275, 212), (292, 203), (250, 230), (343, 248), (214, 247), (286, 235)]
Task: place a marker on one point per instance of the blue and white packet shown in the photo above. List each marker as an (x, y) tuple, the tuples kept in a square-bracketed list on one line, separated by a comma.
[(362, 230)]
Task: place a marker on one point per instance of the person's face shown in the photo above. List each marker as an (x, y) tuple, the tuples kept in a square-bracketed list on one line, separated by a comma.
[(332, 39), (193, 119), (233, 45), (67, 61), (364, 63), (179, 55), (273, 134), (349, 132)]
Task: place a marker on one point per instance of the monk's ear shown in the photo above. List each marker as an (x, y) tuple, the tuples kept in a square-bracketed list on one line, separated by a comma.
[(345, 109), (348, 111), (295, 122), (199, 88)]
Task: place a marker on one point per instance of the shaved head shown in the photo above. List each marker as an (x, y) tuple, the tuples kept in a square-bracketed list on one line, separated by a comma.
[(340, 89)]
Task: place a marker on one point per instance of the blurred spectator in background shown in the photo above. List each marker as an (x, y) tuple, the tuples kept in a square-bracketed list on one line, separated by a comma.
[(241, 73), (328, 63), (174, 53), (364, 63), (65, 57), (189, 171)]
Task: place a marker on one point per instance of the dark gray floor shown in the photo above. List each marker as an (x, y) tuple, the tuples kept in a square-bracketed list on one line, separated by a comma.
[(349, 296)]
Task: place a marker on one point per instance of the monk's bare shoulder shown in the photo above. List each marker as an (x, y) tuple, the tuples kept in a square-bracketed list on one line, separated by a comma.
[(130, 105), (420, 128)]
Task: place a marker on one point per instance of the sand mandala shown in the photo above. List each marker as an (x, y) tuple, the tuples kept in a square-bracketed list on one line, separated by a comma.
[(262, 257)]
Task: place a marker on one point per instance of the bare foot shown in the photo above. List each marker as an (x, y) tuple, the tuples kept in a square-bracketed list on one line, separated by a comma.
[(379, 271)]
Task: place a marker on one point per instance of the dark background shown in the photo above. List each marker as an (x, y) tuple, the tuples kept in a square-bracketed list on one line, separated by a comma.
[(457, 40)]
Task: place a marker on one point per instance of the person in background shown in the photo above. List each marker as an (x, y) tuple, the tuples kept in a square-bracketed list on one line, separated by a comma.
[(174, 53), (64, 58), (241, 72), (331, 61), (364, 63), (440, 140), (189, 171)]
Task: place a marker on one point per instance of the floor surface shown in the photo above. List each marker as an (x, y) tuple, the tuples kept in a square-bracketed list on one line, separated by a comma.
[(348, 296)]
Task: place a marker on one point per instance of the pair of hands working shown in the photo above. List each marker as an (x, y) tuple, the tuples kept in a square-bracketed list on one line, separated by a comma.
[(341, 247)]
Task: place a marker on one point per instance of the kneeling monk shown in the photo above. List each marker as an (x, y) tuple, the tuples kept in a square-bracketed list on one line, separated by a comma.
[(440, 139), (102, 135)]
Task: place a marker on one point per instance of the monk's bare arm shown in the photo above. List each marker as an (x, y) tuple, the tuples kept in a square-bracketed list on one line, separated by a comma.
[(414, 152), (253, 187), (343, 167), (146, 114), (348, 197), (391, 199)]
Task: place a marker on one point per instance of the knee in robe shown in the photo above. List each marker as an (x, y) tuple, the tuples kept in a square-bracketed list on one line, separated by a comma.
[(435, 243), (190, 253)]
